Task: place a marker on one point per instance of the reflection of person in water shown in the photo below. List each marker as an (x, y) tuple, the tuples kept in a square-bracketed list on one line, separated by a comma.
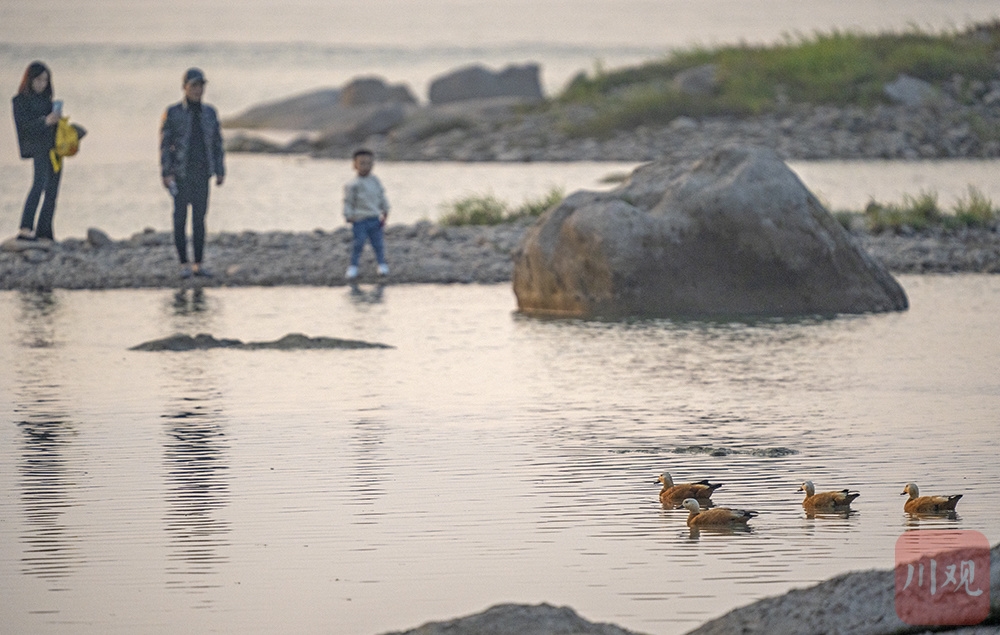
[(184, 305), (45, 477), (195, 453), (360, 296)]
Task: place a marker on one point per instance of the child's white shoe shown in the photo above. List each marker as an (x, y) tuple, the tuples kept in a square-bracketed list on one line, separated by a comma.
[(352, 273), (383, 270)]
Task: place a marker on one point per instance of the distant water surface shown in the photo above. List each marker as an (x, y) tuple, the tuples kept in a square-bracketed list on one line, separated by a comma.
[(485, 458), (273, 193)]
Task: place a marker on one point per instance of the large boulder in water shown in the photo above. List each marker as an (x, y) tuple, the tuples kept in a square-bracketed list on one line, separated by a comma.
[(737, 234)]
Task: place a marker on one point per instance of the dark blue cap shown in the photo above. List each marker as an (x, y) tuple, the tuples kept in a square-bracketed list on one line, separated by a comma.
[(194, 75)]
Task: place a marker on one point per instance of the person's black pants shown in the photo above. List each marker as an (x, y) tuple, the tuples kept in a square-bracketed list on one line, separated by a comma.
[(46, 182), (193, 192)]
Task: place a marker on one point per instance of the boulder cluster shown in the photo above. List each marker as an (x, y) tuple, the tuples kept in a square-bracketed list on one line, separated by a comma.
[(475, 114)]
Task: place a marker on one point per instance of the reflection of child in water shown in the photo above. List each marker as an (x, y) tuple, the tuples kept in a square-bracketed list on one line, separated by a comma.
[(366, 208)]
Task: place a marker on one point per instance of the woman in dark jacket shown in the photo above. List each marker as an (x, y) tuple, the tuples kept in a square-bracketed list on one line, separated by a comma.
[(36, 136)]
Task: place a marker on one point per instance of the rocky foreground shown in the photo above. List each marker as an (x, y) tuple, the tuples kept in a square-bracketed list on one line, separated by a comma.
[(420, 253), (858, 603)]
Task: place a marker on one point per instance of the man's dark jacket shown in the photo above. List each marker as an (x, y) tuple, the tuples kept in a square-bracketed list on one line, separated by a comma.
[(175, 139)]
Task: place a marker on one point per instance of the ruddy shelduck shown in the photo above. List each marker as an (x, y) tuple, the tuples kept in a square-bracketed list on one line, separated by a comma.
[(715, 517), (917, 504), (839, 500), (671, 494)]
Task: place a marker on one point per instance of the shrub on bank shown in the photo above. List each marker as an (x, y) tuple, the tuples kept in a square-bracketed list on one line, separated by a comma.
[(922, 212), (487, 209)]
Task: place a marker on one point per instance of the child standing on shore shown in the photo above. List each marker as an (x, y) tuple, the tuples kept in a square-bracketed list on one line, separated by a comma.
[(366, 208)]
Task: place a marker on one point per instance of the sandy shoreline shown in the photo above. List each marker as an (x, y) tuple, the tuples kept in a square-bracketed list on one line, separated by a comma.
[(420, 253)]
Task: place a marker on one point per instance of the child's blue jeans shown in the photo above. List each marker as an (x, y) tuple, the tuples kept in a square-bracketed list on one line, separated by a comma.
[(368, 229)]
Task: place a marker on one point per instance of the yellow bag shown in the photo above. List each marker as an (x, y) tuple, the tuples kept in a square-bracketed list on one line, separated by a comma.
[(67, 142)]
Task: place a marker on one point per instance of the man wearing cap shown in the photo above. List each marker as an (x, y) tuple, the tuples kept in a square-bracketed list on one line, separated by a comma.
[(190, 154)]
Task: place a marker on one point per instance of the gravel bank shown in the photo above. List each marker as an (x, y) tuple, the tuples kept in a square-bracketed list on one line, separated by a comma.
[(418, 253)]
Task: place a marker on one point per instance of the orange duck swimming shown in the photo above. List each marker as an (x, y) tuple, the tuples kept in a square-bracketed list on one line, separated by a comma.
[(672, 494)]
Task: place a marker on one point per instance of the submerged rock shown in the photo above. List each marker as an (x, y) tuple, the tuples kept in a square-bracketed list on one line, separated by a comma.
[(737, 234), (292, 341), (518, 619)]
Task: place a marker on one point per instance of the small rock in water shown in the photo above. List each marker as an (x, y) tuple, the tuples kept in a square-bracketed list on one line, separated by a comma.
[(292, 341)]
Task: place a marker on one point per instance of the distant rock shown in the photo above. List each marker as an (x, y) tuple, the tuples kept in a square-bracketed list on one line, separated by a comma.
[(353, 126), (478, 82), (303, 112), (98, 238), (326, 108), (364, 91), (292, 341), (700, 80), (737, 234), (519, 619), (459, 116), (242, 142), (909, 91)]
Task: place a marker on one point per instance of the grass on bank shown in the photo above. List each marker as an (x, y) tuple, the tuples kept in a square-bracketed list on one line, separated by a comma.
[(923, 212), (916, 213), (487, 209), (838, 68)]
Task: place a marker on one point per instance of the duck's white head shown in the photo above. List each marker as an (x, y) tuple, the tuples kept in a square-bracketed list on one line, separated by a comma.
[(911, 489), (691, 505), (666, 479), (808, 488)]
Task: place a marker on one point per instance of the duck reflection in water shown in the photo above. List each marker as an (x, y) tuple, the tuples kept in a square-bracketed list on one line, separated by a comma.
[(695, 532), (842, 514)]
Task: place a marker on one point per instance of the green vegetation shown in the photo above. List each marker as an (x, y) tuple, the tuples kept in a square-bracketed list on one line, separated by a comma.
[(828, 68), (922, 212), (487, 209), (918, 213)]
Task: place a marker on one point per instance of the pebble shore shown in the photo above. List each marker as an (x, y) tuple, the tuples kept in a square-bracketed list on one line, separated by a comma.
[(423, 252)]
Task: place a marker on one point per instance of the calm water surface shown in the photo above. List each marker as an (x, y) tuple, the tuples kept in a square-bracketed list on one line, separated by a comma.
[(485, 458)]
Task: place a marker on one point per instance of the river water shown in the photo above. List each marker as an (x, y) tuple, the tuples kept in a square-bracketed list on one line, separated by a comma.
[(486, 457)]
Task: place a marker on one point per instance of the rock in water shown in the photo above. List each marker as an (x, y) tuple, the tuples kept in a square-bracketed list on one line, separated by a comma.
[(292, 341), (737, 234), (519, 619)]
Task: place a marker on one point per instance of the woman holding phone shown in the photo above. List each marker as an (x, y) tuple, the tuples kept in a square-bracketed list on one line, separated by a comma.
[(35, 118)]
